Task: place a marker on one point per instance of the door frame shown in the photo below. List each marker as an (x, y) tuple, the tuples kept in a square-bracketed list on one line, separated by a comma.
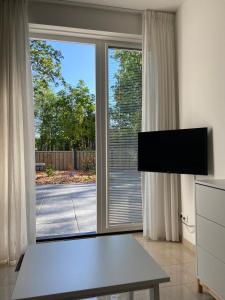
[(123, 227), (102, 41)]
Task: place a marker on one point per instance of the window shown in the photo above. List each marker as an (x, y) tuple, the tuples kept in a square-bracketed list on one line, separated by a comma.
[(124, 205)]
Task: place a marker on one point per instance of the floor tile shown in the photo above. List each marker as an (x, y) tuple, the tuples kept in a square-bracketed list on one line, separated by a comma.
[(181, 268), (85, 205), (86, 228), (179, 275), (56, 214), (6, 292), (162, 258), (54, 229), (64, 204), (179, 292), (193, 287), (7, 275), (85, 212), (86, 217)]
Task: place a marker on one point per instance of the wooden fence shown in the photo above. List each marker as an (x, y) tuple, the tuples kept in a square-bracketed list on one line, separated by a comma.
[(67, 160), (84, 160)]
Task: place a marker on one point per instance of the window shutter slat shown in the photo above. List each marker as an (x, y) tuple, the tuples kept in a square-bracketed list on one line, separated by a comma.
[(124, 122)]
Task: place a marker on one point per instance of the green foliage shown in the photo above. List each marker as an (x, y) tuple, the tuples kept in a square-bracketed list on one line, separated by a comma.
[(46, 66), (49, 171), (65, 114), (88, 163), (64, 120), (127, 90), (77, 118)]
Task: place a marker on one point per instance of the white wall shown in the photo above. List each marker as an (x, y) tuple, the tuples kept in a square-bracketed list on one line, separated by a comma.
[(84, 17), (201, 63)]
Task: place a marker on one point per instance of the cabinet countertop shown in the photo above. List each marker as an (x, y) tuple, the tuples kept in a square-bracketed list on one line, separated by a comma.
[(215, 183)]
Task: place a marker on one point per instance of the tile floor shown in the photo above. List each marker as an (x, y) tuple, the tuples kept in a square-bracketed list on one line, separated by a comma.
[(64, 209), (175, 259)]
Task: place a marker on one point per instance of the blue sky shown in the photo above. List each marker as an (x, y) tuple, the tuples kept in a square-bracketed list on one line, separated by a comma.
[(78, 62)]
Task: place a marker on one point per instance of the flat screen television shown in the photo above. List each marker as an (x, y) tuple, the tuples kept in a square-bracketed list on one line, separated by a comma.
[(182, 151)]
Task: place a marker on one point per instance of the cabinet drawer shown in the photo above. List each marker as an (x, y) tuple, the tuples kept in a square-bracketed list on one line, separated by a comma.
[(211, 272), (210, 203), (211, 237)]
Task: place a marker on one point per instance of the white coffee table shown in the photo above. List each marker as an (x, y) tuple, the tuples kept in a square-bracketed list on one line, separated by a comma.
[(85, 268)]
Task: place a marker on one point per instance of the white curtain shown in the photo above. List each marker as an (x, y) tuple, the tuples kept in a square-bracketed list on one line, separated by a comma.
[(159, 112), (17, 193)]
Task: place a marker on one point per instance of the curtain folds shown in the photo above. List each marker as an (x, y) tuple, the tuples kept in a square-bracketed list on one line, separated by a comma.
[(17, 172), (159, 112)]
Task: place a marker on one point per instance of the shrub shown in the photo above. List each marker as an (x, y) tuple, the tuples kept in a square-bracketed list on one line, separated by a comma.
[(49, 171), (88, 163)]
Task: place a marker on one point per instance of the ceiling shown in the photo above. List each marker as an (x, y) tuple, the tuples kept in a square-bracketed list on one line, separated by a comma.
[(167, 5)]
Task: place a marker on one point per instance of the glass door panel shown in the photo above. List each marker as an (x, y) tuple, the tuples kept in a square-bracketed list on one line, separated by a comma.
[(124, 202)]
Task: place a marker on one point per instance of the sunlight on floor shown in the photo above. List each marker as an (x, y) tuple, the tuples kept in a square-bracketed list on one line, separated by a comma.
[(64, 209)]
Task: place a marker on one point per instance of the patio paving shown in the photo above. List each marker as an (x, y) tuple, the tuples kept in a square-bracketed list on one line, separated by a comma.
[(64, 209)]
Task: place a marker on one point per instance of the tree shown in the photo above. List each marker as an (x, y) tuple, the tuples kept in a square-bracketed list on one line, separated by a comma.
[(64, 119), (46, 125), (46, 66), (77, 118), (46, 75), (127, 91)]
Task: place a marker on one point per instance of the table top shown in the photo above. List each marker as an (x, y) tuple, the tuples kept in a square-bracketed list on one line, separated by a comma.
[(86, 267)]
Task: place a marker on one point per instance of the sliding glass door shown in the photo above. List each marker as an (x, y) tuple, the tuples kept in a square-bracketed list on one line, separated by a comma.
[(64, 84), (124, 94), (113, 93)]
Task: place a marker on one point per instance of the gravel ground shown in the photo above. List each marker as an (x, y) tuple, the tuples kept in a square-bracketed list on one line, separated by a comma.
[(66, 177)]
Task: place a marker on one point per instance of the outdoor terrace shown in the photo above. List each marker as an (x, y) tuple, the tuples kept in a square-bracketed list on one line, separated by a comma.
[(65, 209)]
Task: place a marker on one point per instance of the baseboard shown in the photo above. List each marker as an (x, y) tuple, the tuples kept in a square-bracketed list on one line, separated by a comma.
[(189, 245)]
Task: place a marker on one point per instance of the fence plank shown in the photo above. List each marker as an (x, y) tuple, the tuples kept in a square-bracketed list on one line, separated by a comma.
[(56, 160), (66, 160), (78, 160)]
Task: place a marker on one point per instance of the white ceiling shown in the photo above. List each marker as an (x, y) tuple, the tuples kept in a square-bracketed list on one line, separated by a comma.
[(167, 5)]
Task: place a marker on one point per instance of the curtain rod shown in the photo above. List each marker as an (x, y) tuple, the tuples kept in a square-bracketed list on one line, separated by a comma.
[(97, 6)]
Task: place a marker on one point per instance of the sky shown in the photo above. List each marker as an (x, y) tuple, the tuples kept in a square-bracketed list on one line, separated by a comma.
[(78, 62)]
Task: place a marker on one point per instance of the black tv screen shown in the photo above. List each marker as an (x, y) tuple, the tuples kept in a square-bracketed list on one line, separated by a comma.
[(182, 151)]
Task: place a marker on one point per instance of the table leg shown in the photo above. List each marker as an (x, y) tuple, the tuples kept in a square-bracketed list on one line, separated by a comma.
[(154, 292), (200, 288)]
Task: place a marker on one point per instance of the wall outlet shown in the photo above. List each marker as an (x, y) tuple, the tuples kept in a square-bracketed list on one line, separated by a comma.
[(184, 218)]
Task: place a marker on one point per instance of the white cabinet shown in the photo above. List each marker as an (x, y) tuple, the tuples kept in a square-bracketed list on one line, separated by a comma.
[(210, 234)]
